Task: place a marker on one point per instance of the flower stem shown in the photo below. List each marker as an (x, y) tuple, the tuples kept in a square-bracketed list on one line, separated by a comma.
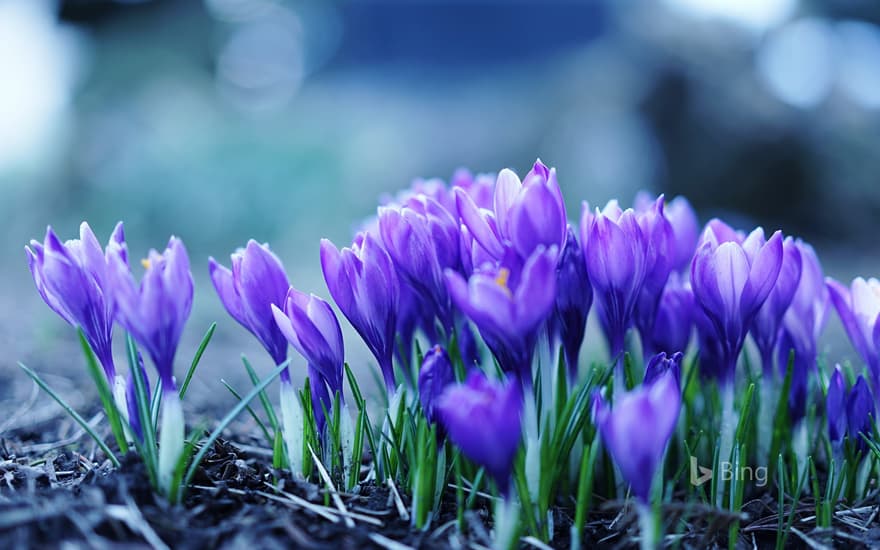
[(728, 424), (647, 527), (170, 438)]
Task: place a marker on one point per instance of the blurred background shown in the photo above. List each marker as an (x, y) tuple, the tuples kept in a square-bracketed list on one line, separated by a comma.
[(285, 121)]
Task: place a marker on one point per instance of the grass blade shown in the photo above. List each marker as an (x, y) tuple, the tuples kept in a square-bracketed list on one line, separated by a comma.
[(197, 358), (148, 448), (104, 392), (73, 414), (253, 414), (264, 399)]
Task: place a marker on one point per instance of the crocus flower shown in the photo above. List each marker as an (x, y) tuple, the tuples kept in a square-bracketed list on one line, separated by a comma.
[(72, 279), (423, 240), (765, 327), (364, 285), (659, 257), (434, 376), (527, 214), (615, 251), (859, 310), (573, 300), (672, 327), (508, 304), (835, 408), (731, 281), (256, 282), (309, 324), (660, 364), (479, 187), (637, 430), (484, 419), (801, 327), (154, 313), (685, 226), (860, 414)]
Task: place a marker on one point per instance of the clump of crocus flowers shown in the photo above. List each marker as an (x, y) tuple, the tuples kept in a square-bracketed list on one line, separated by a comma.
[(473, 299)]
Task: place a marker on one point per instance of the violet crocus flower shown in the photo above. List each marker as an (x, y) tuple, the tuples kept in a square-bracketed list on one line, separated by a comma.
[(615, 251), (638, 428), (659, 258), (72, 279), (685, 227), (508, 304), (248, 291), (527, 214), (859, 309), (435, 375), (662, 363), (674, 323), (154, 313), (835, 409), (573, 300), (731, 281), (860, 414), (309, 324), (483, 418), (364, 285), (766, 325), (423, 240)]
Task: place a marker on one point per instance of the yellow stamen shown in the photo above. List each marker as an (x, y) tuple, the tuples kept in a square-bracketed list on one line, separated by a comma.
[(146, 263), (501, 279)]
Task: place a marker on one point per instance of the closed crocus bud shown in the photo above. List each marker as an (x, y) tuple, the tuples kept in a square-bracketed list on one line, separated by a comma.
[(364, 285), (835, 409), (637, 429), (154, 313), (686, 230), (530, 213), (72, 279), (859, 309), (484, 419), (480, 187), (248, 291), (860, 414), (671, 331), (731, 281), (615, 251), (423, 240), (765, 327), (573, 300), (508, 304), (659, 258), (434, 376), (309, 324), (660, 364), (805, 318)]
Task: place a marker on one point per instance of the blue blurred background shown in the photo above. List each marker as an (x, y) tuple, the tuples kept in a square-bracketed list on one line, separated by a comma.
[(285, 121)]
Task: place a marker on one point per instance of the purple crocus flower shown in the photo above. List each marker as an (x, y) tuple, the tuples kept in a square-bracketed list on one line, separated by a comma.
[(484, 419), (434, 376), (527, 213), (256, 282), (765, 327), (801, 327), (155, 311), (731, 281), (573, 300), (835, 409), (423, 240), (859, 309), (508, 304), (660, 364), (638, 428), (659, 257), (364, 285), (860, 414), (615, 251), (72, 279), (309, 324), (480, 188), (685, 227), (671, 331)]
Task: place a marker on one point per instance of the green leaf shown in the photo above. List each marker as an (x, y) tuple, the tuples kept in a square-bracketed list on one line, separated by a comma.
[(147, 449), (269, 438), (198, 357), (73, 414), (104, 392), (264, 399), (230, 416)]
